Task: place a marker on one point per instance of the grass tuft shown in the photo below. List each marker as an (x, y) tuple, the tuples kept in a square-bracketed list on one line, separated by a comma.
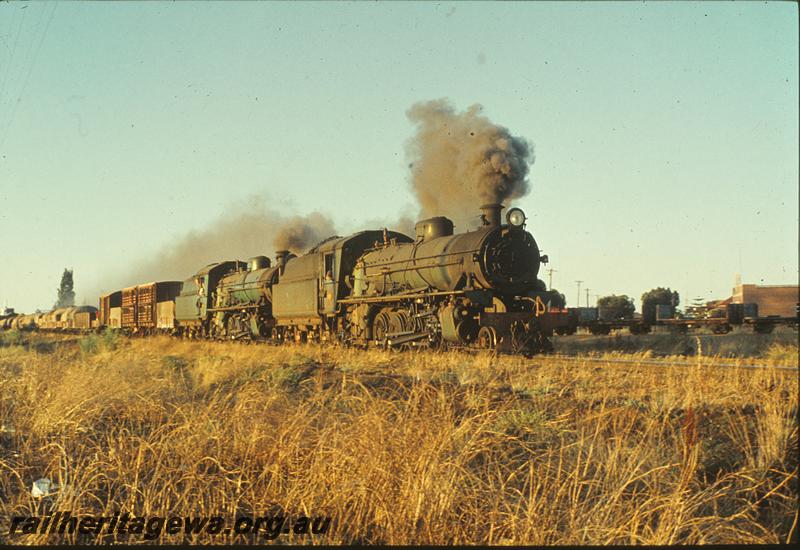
[(13, 337)]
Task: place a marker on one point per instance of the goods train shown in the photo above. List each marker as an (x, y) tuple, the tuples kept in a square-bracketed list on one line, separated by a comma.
[(382, 288)]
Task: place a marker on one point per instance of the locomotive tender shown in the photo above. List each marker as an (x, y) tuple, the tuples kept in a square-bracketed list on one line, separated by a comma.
[(382, 288)]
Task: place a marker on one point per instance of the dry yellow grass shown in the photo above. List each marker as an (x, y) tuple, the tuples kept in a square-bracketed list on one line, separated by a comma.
[(400, 448)]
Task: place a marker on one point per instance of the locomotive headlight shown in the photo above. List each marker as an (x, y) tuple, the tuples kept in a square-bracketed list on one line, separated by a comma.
[(515, 217)]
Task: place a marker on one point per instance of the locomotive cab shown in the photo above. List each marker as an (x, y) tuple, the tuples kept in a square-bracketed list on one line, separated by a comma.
[(311, 287)]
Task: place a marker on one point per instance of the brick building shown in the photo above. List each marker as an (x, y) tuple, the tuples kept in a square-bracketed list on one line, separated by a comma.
[(771, 299)]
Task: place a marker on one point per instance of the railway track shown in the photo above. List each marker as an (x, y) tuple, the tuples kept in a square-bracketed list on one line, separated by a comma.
[(557, 357), (663, 363)]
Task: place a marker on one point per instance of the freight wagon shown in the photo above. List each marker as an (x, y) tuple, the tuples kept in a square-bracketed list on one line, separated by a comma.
[(144, 308)]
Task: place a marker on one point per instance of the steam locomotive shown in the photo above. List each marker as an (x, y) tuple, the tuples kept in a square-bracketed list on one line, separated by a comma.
[(372, 288)]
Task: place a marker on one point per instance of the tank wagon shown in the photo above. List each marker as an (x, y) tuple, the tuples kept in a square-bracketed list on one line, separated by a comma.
[(53, 319), (79, 318), (69, 319), (7, 318), (23, 322)]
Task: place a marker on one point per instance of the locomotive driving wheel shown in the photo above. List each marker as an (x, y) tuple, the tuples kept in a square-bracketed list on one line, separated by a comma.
[(238, 327), (487, 338), (398, 321), (381, 326)]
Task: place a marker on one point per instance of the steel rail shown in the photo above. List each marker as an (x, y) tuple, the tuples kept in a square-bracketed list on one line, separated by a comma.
[(658, 362), (534, 358)]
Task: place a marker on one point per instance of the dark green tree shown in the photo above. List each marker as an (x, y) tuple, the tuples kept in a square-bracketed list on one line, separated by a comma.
[(557, 300), (616, 307), (66, 294), (655, 297)]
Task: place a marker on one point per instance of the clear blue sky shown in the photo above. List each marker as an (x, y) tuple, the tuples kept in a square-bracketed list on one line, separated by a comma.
[(665, 134)]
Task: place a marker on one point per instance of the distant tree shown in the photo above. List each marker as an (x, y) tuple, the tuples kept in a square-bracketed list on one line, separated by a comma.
[(655, 297), (554, 297), (661, 296), (616, 307), (66, 294), (557, 300)]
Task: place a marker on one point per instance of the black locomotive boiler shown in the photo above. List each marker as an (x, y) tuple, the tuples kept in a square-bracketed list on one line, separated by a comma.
[(479, 288)]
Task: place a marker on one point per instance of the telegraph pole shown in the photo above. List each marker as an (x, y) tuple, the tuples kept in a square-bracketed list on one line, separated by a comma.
[(550, 271), (587, 297), (578, 302)]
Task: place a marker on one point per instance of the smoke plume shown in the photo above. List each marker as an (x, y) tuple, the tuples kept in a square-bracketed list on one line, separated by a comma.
[(242, 231), (299, 233), (460, 161)]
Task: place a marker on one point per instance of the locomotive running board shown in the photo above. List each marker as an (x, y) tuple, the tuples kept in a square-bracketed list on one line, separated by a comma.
[(396, 297)]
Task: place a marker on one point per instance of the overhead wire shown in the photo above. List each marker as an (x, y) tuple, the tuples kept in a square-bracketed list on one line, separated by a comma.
[(5, 74), (31, 64)]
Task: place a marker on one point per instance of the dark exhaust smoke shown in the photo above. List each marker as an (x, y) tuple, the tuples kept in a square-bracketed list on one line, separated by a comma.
[(300, 233), (242, 231), (460, 161)]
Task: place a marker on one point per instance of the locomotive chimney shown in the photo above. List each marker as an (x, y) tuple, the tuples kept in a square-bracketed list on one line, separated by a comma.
[(280, 258), (491, 214)]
